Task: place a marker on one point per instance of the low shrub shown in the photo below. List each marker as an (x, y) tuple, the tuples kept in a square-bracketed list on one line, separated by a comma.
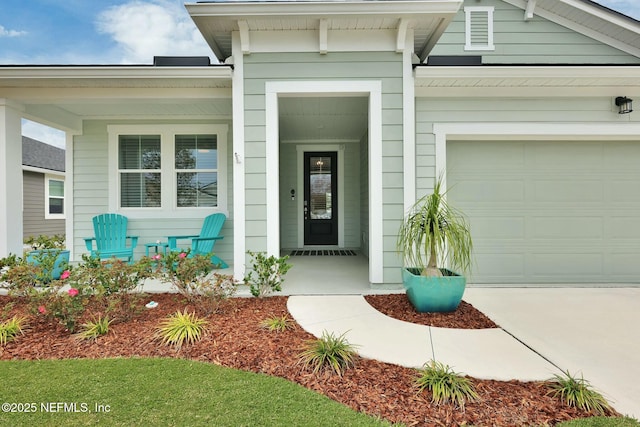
[(328, 352), (66, 306), (193, 278), (114, 283), (267, 272), (445, 384)]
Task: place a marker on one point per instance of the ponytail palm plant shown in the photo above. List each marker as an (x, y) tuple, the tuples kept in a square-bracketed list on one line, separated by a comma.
[(434, 232)]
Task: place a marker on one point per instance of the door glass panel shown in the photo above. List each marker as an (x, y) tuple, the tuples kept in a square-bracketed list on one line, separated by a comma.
[(320, 187)]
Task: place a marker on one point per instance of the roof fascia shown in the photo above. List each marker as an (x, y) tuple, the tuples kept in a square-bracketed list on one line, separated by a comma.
[(113, 72), (289, 8), (46, 171), (597, 12)]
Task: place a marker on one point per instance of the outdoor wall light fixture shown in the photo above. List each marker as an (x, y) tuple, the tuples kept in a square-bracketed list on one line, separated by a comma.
[(625, 105)]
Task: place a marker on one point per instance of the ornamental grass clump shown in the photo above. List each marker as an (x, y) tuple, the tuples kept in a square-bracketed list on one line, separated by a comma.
[(277, 323), (328, 352), (10, 329), (577, 392), (94, 328), (179, 328), (445, 384)]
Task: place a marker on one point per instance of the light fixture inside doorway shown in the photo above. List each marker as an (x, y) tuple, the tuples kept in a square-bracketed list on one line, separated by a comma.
[(625, 105)]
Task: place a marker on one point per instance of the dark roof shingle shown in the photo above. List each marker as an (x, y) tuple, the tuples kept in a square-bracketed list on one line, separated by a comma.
[(40, 155)]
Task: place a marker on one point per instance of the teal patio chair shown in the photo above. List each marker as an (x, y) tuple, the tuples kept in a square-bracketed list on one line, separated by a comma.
[(203, 243), (111, 237)]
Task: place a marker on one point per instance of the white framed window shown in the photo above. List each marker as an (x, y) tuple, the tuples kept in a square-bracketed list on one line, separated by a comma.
[(53, 197), (167, 169), (478, 28)]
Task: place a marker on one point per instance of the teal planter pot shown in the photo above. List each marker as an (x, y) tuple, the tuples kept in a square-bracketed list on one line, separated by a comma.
[(46, 258), (433, 294)]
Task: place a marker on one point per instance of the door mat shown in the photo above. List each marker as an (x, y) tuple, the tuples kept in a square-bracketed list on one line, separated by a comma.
[(323, 252)]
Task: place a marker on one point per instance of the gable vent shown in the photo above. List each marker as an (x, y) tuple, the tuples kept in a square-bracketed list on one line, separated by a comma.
[(479, 28)]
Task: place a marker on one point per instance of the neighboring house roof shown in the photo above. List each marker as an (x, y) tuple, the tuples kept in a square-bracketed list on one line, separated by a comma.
[(40, 155)]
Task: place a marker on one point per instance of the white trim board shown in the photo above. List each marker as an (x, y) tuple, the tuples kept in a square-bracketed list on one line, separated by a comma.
[(239, 197), (445, 132), (370, 88)]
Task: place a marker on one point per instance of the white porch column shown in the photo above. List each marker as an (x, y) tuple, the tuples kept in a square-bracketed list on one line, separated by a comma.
[(10, 179)]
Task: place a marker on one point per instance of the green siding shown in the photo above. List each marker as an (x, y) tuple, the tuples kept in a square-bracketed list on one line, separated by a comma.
[(386, 67), (532, 110), (91, 192), (537, 41)]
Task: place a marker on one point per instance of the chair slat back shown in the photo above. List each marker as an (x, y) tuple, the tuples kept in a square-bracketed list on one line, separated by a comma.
[(110, 231), (210, 228)]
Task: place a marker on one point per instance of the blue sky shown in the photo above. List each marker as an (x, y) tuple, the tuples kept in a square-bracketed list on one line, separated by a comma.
[(114, 32)]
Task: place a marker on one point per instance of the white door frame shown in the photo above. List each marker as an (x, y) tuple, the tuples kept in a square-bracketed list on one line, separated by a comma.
[(373, 90)]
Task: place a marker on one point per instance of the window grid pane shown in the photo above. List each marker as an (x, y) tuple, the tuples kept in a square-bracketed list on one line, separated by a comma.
[(138, 155), (56, 188), (56, 205), (196, 166)]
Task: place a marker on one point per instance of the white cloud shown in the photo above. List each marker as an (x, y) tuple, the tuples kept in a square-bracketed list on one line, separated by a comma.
[(43, 133), (144, 29), (10, 33)]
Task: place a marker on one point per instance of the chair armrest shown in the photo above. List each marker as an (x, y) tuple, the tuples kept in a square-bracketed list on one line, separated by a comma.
[(88, 242), (173, 239), (198, 239), (134, 241)]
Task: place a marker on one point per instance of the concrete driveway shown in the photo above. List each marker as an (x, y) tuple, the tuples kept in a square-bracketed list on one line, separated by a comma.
[(589, 331)]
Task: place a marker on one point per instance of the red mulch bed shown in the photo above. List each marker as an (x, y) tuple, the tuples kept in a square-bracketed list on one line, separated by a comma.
[(235, 340)]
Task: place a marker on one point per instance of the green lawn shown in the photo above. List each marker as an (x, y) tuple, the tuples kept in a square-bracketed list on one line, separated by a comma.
[(159, 392), (172, 392), (601, 422)]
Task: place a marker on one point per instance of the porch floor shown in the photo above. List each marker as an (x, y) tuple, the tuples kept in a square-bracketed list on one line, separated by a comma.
[(313, 275)]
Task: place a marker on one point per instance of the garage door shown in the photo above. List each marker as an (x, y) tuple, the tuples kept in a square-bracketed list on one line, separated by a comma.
[(549, 212)]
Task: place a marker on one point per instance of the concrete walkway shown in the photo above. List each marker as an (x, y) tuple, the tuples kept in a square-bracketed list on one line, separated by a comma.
[(482, 353), (590, 332)]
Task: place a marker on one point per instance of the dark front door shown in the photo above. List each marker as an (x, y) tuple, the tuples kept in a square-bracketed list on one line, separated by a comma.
[(320, 198)]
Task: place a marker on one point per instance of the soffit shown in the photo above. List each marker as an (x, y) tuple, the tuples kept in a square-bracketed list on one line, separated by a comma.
[(542, 80), (217, 20), (66, 94)]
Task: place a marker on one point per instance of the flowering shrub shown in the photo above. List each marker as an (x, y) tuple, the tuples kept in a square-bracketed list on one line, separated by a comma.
[(66, 306), (193, 278), (114, 283)]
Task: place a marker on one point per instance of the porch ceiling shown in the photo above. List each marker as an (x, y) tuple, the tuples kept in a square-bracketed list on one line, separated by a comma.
[(323, 119), (218, 20), (63, 96)]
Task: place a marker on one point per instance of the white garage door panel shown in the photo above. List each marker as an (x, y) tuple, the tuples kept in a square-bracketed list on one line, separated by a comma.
[(549, 212)]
